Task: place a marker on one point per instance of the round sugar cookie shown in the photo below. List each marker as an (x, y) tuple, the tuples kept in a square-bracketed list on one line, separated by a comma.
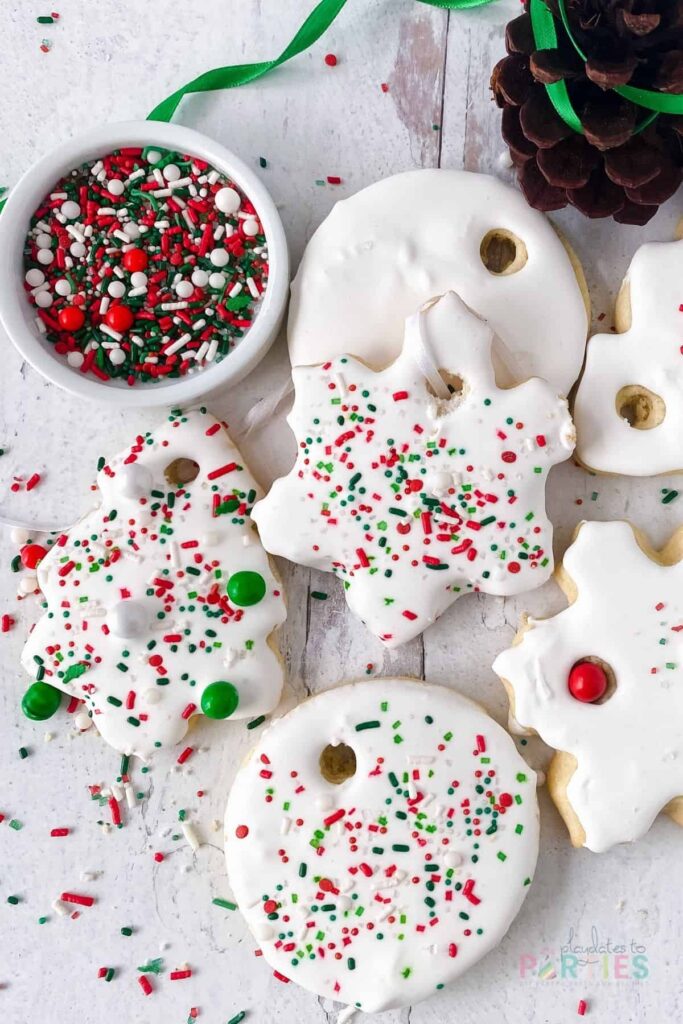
[(380, 840), (386, 250)]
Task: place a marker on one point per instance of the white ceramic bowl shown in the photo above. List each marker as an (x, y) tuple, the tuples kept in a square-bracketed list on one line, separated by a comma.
[(18, 316)]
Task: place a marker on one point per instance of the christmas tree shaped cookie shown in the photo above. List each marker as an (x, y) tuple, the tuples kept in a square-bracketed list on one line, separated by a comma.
[(602, 683), (161, 602), (629, 406), (413, 500)]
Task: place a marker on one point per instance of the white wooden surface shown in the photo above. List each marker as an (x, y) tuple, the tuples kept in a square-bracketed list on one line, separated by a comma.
[(114, 61)]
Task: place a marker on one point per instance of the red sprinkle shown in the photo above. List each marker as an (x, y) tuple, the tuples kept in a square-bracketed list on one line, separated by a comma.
[(58, 832), (179, 975), (145, 985), (330, 60), (187, 752), (73, 897), (582, 1007)]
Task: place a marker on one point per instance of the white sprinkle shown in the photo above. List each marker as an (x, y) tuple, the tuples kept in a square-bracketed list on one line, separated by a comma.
[(60, 908), (201, 352), (42, 329), (213, 348), (35, 277), (130, 795), (104, 305), (43, 300), (106, 329), (236, 289), (251, 285), (45, 256), (115, 187), (70, 209), (191, 836), (168, 307), (137, 291)]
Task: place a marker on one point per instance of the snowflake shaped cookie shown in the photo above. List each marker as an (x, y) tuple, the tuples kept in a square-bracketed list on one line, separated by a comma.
[(629, 406), (602, 683), (161, 602), (412, 500)]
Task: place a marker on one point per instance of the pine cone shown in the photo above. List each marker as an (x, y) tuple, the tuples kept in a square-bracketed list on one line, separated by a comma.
[(612, 170)]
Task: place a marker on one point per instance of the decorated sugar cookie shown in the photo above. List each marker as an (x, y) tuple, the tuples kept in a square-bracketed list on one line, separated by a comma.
[(161, 603), (601, 683), (390, 247), (629, 406), (380, 840), (413, 500)]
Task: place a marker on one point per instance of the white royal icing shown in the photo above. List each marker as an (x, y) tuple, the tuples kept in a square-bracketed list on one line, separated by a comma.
[(629, 750), (142, 580), (650, 354), (412, 501), (379, 891), (387, 249)]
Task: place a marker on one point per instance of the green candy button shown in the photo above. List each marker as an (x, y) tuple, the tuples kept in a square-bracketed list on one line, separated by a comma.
[(245, 588), (40, 701), (220, 700)]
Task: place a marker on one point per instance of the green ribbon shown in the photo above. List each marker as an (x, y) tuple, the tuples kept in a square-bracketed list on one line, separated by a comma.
[(317, 22), (545, 37)]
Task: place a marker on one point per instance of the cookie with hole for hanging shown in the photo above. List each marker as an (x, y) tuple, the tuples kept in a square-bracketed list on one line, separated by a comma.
[(599, 682), (380, 840), (161, 603), (629, 404), (390, 247), (421, 482)]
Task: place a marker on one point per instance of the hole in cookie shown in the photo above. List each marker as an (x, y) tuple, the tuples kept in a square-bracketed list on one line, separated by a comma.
[(337, 763), (454, 384), (640, 407), (592, 680), (502, 252), (181, 471)]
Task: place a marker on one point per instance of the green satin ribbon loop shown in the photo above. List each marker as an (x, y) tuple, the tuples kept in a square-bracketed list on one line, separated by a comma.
[(545, 37), (318, 21)]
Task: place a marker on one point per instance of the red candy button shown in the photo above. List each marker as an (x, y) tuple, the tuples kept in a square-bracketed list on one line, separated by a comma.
[(31, 555), (71, 318), (587, 682), (120, 318), (135, 260)]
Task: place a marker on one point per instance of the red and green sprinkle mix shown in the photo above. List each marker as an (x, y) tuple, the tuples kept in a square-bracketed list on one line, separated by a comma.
[(145, 264)]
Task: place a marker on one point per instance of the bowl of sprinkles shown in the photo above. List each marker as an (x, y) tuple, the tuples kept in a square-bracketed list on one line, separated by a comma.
[(150, 266)]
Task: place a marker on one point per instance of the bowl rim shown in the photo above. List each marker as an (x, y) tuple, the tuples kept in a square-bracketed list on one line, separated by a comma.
[(29, 191)]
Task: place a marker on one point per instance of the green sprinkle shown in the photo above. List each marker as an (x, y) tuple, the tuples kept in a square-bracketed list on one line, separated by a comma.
[(669, 497), (225, 904), (238, 1017), (16, 825), (126, 930), (319, 595), (255, 722), (155, 966), (362, 726), (13, 900), (400, 848), (23, 752)]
